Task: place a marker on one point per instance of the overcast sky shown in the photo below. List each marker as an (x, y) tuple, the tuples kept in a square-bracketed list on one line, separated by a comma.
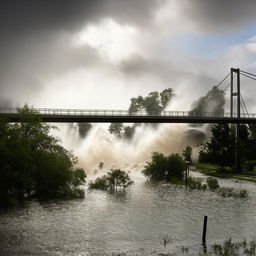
[(100, 53)]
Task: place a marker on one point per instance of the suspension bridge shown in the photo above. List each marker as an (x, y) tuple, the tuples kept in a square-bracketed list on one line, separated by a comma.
[(238, 116)]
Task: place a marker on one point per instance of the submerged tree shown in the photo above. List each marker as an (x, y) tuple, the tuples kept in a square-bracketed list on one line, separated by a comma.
[(163, 167), (112, 180), (34, 164)]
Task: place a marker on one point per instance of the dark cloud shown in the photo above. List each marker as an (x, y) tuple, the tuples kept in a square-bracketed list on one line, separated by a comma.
[(34, 38), (218, 15)]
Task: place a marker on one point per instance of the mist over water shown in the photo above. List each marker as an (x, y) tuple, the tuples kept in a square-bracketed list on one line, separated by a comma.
[(102, 146)]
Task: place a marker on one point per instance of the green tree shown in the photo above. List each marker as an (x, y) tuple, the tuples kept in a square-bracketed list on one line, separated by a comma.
[(166, 96), (187, 154), (220, 149), (212, 102), (116, 129), (83, 129), (112, 180), (33, 163), (164, 167), (129, 132)]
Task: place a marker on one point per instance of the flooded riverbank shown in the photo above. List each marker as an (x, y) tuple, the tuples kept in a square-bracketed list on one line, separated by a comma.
[(147, 220)]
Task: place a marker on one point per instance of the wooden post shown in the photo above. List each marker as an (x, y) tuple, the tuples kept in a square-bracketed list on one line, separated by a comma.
[(204, 230), (186, 174)]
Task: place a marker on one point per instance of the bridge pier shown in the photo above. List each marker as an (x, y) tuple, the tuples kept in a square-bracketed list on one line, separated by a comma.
[(238, 103)]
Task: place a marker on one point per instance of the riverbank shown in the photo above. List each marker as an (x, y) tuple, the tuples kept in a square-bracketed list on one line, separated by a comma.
[(213, 170)]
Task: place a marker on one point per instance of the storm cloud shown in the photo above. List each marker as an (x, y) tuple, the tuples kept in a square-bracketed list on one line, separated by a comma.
[(37, 49)]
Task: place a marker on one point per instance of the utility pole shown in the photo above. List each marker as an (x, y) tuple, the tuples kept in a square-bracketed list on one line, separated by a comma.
[(238, 95)]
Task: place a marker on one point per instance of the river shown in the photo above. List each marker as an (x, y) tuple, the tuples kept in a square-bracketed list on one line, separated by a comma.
[(133, 223)]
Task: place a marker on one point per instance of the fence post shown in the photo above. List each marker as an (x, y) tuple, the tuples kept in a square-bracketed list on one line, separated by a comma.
[(204, 230)]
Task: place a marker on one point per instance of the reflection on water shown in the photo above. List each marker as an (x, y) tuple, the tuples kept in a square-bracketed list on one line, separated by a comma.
[(145, 220)]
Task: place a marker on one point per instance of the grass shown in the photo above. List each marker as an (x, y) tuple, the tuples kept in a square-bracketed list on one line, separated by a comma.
[(214, 170)]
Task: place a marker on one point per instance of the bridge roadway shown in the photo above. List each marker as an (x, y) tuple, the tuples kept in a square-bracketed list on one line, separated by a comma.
[(123, 116)]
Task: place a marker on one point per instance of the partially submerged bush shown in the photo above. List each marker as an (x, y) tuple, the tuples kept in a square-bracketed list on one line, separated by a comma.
[(163, 167), (230, 192), (115, 178), (196, 183), (212, 183)]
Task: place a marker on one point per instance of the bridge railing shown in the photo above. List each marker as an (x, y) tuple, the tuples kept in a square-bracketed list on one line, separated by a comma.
[(104, 112)]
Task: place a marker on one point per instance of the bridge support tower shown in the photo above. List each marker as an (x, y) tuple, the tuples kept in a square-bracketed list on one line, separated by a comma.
[(236, 94)]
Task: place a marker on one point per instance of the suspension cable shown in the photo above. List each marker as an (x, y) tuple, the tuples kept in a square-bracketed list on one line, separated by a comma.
[(229, 83), (247, 73), (244, 104), (249, 76), (222, 81)]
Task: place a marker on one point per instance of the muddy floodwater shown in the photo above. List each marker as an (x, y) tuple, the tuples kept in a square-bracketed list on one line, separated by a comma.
[(148, 219)]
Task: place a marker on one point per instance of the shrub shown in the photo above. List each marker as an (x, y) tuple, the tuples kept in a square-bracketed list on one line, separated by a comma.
[(99, 183), (164, 167), (194, 183), (115, 178), (212, 183), (230, 192)]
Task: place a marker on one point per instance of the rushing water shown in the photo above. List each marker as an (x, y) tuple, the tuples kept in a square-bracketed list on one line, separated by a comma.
[(136, 223)]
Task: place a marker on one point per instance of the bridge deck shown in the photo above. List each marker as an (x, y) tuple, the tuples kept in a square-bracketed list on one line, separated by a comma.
[(123, 116)]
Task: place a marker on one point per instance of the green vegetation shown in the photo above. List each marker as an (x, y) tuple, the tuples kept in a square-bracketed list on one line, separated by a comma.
[(34, 164), (84, 128), (229, 248), (220, 150), (212, 102), (230, 192), (214, 170), (164, 167), (187, 154), (114, 179), (153, 104), (212, 183), (196, 183)]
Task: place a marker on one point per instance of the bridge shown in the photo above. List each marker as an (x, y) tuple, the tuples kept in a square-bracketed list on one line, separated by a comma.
[(236, 117), (123, 116)]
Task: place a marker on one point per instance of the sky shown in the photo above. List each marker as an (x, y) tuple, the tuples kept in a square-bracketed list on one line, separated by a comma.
[(100, 53)]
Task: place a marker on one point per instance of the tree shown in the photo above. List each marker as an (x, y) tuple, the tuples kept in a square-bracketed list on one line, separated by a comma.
[(187, 154), (220, 149), (164, 167), (34, 164), (212, 102), (83, 129), (112, 180), (128, 132), (153, 104), (116, 129), (166, 96)]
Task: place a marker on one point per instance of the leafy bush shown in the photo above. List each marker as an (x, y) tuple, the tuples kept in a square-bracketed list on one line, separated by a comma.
[(115, 178), (195, 183), (230, 192), (212, 183), (164, 167), (99, 183)]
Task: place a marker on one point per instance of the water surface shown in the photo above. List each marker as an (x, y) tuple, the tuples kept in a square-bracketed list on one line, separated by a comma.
[(136, 222)]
